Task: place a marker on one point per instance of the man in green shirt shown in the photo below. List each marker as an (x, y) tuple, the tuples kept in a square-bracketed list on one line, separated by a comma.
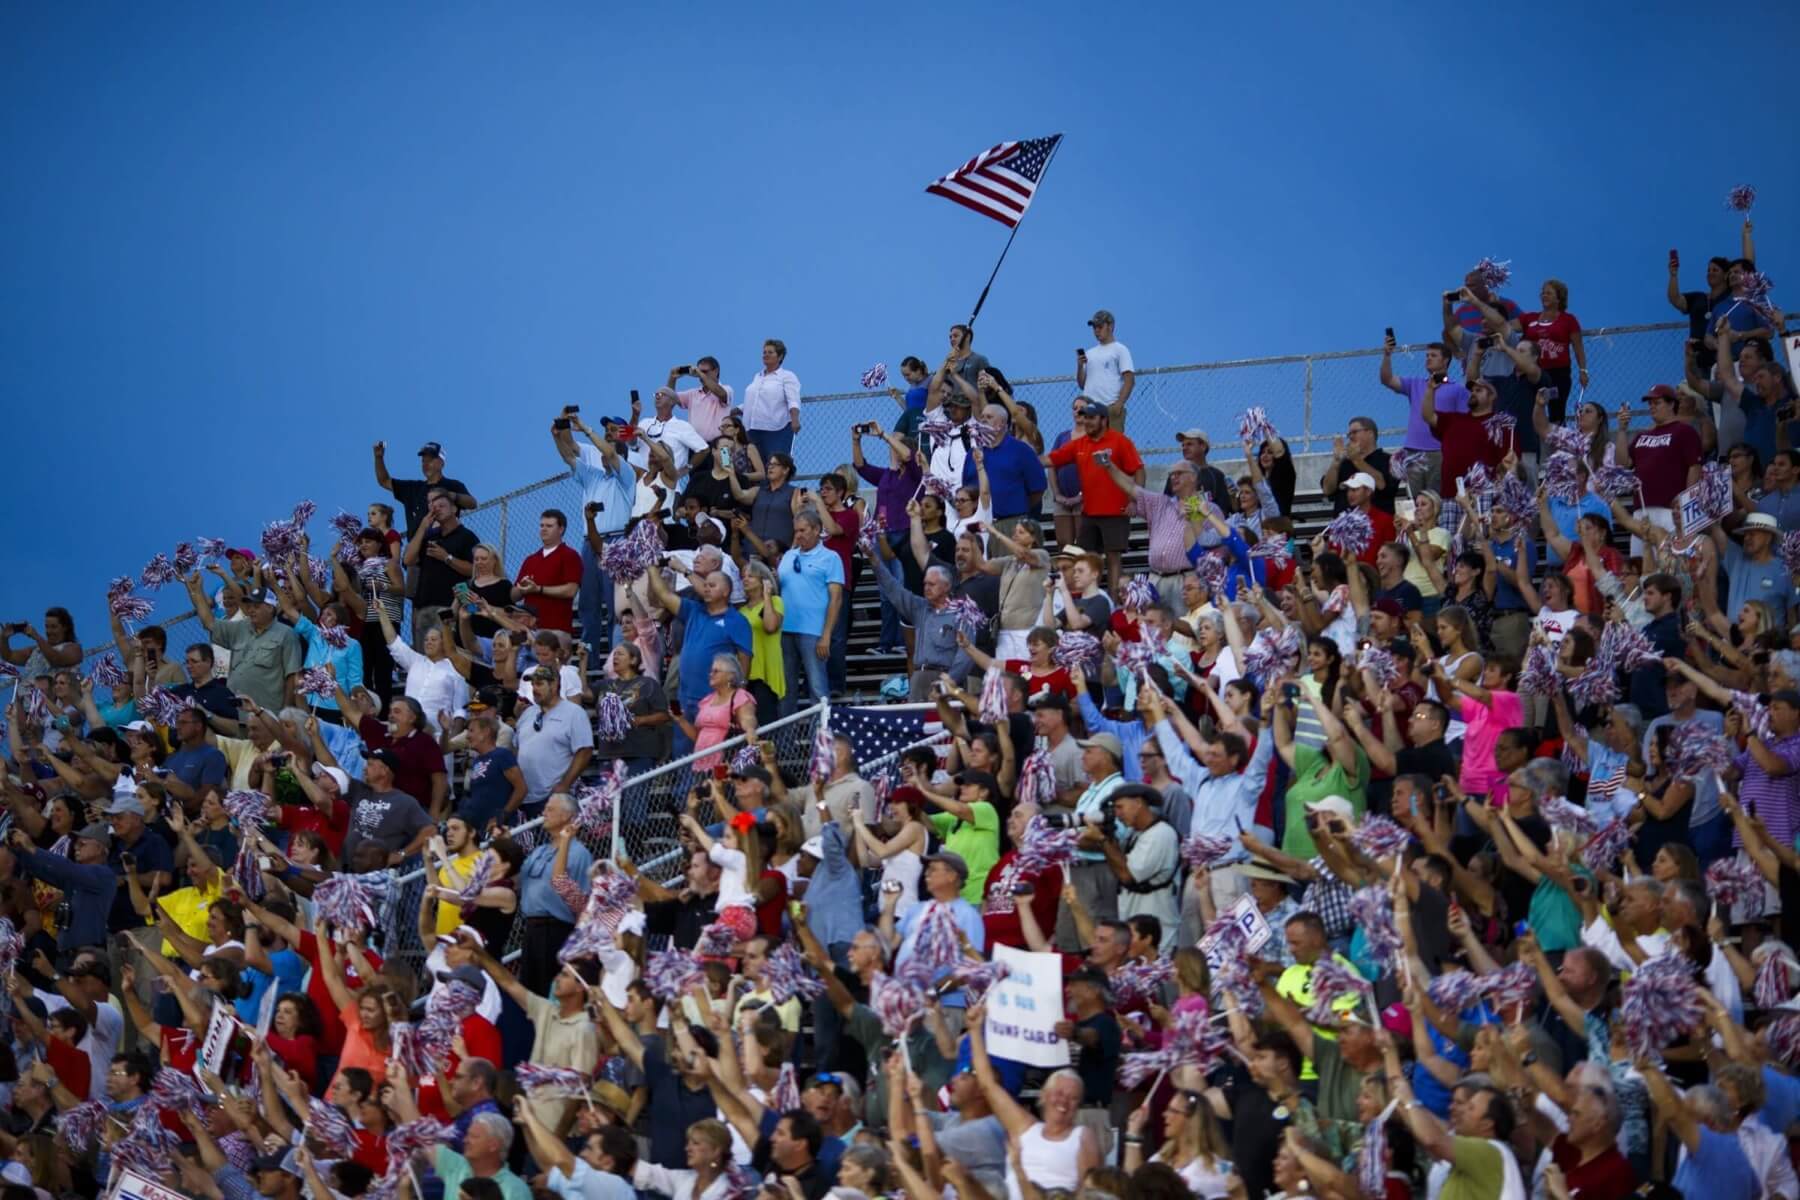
[(265, 654), (970, 827), (1475, 1146)]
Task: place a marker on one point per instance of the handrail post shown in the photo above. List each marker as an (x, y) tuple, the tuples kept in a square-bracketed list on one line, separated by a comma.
[(1306, 411), (503, 513)]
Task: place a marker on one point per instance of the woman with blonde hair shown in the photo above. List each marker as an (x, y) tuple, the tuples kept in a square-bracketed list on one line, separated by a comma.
[(708, 1175), (1192, 1144), (764, 610), (1430, 545)]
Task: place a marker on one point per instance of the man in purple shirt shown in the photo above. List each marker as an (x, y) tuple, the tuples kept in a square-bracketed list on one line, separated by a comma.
[(1769, 770), (895, 485), (1425, 459)]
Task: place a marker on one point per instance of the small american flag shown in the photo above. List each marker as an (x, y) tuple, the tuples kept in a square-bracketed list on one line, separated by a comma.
[(999, 182), (877, 732)]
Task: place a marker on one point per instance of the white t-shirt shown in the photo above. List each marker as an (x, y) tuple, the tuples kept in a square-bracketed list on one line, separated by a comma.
[(102, 1040), (1106, 367), (1556, 624), (983, 516), (682, 439), (734, 888)]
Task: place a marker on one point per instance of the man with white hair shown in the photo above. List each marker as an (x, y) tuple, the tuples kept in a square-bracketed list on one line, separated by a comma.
[(673, 433), (1713, 1162), (935, 646), (1173, 528), (485, 1146), (548, 921)]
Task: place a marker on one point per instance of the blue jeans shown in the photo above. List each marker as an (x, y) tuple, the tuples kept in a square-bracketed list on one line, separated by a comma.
[(772, 441), (594, 605), (891, 638), (1711, 840), (799, 655), (836, 669)]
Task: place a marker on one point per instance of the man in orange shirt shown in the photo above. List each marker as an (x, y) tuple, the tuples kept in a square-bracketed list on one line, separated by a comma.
[(1105, 507)]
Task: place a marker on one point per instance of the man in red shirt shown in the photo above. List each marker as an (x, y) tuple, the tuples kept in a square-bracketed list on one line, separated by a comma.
[(549, 579), (1666, 458), (1464, 436), (1105, 507), (1000, 905), (1359, 490)]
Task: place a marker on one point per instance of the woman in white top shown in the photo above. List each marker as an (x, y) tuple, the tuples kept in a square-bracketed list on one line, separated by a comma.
[(431, 678), (708, 1175), (1428, 543), (901, 855), (1054, 1152), (1460, 660), (973, 506), (790, 835), (772, 403), (1554, 601), (1192, 1144)]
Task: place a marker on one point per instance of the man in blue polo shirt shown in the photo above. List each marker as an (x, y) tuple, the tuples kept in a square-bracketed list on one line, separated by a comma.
[(1015, 476), (608, 480), (710, 626)]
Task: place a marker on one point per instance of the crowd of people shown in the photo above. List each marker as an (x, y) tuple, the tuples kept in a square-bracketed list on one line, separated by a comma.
[(1450, 851)]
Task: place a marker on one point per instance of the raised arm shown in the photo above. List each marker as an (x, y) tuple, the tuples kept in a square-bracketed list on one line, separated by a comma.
[(1013, 1117)]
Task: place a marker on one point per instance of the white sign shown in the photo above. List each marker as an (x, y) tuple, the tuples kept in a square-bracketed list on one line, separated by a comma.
[(1247, 917), (1791, 344), (1692, 512), (219, 1032), (133, 1186), (1023, 1009)]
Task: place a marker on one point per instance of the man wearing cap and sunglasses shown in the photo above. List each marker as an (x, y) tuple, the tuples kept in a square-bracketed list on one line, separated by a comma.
[(1105, 508), (1195, 446), (414, 495), (265, 655), (1105, 371)]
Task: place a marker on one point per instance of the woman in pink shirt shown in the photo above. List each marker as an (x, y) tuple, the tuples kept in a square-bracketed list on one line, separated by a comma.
[(1489, 708)]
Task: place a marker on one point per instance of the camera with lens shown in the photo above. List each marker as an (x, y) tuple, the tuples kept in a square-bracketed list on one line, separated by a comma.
[(1102, 818)]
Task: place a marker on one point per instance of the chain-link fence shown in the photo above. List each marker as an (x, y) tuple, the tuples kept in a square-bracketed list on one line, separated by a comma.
[(1309, 397), (644, 828)]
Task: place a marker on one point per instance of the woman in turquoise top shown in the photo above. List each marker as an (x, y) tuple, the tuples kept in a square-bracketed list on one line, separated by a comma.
[(347, 659), (1554, 915)]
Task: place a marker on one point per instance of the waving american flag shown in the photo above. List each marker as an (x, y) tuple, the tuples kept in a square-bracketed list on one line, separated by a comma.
[(999, 182)]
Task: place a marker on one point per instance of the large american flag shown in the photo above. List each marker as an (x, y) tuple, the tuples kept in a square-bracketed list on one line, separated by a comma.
[(877, 732), (999, 182)]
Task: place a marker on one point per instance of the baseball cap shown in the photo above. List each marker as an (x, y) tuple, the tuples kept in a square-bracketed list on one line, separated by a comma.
[(385, 757), (1335, 805), (982, 779), (543, 674), (1047, 699), (1139, 791), (97, 833), (337, 776), (1258, 869), (125, 805), (277, 1161), (957, 399), (137, 727), (1661, 391), (1362, 479), (1196, 434), (814, 846), (1101, 317), (475, 977), (952, 860), (431, 450), (1108, 742), (1392, 607), (241, 553), (259, 596), (1093, 408)]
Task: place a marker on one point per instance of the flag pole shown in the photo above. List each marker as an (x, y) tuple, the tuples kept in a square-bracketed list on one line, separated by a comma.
[(982, 299)]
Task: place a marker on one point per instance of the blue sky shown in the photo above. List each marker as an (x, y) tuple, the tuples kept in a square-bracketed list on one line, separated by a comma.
[(244, 241)]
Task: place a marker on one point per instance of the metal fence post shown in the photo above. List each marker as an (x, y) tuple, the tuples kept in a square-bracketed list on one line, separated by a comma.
[(503, 524), (1306, 410)]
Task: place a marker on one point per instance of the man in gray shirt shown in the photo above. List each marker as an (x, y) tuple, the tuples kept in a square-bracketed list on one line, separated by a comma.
[(554, 741), (935, 626), (1709, 829), (385, 817)]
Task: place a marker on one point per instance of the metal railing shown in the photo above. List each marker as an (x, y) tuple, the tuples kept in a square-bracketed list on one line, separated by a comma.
[(1309, 397)]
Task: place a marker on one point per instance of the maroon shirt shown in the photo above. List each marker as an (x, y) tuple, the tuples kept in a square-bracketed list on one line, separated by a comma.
[(562, 565), (1606, 1176), (1662, 457), (1465, 442)]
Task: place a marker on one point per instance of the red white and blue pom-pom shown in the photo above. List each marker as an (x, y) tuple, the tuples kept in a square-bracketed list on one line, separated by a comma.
[(1696, 749), (107, 672), (1141, 594), (1736, 887), (1755, 711), (875, 376), (897, 1002), (1211, 571), (247, 810), (1568, 439), (670, 973), (327, 1125), (319, 571), (373, 570), (318, 683), (595, 804), (936, 425), (12, 943), (1756, 288), (1141, 979), (871, 534), (1715, 490), (280, 540), (147, 1146), (120, 585), (1538, 676), (1400, 460), (1661, 1004), (177, 1091), (1782, 1036), (992, 709), (1380, 837), (1372, 1158), (556, 1082), (213, 548), (937, 485), (1232, 977), (160, 706), (1565, 817), (1138, 655), (638, 551), (1604, 848), (1613, 482), (303, 512), (1380, 664), (415, 1137), (1790, 551), (347, 526), (823, 762), (1516, 500), (1454, 991), (1350, 531), (966, 613), (1628, 648), (1331, 981), (1275, 549), (1561, 477), (349, 902), (335, 636), (1272, 654), (1510, 987), (1077, 649), (157, 572), (786, 976), (1494, 273), (936, 944), (612, 718), (1045, 845), (128, 607), (1372, 908), (746, 756), (1774, 983), (185, 558), (977, 976), (1598, 683), (785, 1095), (78, 1129), (1202, 853), (1255, 427), (1037, 779), (1741, 198), (717, 940), (1502, 429), (986, 436), (481, 873)]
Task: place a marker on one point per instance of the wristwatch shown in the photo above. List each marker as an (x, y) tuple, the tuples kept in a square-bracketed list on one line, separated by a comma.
[(1528, 1059)]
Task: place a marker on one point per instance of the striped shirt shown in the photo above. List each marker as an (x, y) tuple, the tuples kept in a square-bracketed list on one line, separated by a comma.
[(1168, 531), (1773, 799)]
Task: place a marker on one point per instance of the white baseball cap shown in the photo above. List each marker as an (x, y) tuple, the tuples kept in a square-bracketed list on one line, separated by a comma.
[(1362, 479)]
